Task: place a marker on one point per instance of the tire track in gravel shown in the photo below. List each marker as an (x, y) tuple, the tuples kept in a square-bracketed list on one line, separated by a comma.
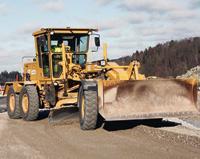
[(40, 139)]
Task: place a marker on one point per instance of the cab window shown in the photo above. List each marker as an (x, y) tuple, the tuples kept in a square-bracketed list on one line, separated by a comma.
[(78, 42), (43, 54)]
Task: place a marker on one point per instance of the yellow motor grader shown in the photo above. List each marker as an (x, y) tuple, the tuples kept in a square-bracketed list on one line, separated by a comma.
[(63, 74)]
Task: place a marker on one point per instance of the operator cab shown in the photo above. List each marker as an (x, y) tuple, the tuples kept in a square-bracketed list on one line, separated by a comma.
[(49, 47)]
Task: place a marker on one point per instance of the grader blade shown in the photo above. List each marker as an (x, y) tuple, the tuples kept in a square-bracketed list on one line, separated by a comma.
[(144, 99)]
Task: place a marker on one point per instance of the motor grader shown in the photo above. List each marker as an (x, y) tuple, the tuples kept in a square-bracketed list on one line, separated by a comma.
[(63, 74)]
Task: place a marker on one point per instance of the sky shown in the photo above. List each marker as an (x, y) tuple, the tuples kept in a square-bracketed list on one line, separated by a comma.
[(126, 25)]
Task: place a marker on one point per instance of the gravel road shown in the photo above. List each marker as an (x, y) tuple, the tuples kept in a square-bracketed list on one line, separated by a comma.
[(2, 104), (130, 139)]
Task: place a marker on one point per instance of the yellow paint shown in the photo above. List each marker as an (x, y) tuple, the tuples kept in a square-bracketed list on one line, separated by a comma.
[(72, 73)]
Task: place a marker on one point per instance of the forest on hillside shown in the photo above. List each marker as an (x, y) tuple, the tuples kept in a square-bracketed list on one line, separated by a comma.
[(6, 76), (169, 59)]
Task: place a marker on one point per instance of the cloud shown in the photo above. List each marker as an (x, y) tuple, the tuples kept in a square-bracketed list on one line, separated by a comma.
[(171, 9), (53, 5), (194, 4), (150, 5), (28, 28), (183, 14), (16, 40), (105, 24), (154, 31), (50, 5), (137, 18), (141, 12), (108, 25), (114, 33), (144, 23), (168, 32), (3, 8), (12, 59), (16, 44), (105, 2)]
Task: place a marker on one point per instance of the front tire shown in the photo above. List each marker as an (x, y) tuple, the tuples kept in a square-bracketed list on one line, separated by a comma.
[(88, 109), (29, 102), (13, 108)]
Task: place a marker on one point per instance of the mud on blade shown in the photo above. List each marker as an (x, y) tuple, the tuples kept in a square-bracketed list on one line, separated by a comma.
[(124, 100)]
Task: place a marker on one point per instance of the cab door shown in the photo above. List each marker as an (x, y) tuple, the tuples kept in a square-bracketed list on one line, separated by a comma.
[(43, 55)]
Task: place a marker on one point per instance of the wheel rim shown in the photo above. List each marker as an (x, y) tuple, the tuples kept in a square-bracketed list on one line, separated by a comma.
[(12, 102), (25, 103), (82, 107)]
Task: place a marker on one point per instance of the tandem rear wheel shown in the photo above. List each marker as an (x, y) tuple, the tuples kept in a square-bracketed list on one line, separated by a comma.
[(13, 108), (29, 103)]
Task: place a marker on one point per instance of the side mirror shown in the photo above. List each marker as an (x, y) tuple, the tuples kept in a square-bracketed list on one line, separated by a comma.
[(97, 41)]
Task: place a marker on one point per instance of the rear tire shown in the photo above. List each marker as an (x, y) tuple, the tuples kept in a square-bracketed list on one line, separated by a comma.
[(13, 108), (88, 109), (29, 102)]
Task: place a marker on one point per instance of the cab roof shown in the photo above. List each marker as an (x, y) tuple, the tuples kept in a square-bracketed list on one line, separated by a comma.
[(64, 30)]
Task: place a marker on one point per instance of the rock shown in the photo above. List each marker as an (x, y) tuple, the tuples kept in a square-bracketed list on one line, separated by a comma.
[(192, 73)]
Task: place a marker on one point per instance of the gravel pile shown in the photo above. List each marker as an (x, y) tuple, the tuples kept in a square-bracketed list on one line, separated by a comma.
[(172, 137), (192, 73)]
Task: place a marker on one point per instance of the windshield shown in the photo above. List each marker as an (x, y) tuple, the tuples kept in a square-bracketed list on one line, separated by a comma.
[(78, 42)]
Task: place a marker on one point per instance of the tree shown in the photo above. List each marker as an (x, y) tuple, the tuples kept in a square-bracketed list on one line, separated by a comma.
[(6, 76), (169, 59)]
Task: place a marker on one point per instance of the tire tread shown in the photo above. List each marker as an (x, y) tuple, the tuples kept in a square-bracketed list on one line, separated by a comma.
[(17, 112), (91, 110), (33, 111)]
